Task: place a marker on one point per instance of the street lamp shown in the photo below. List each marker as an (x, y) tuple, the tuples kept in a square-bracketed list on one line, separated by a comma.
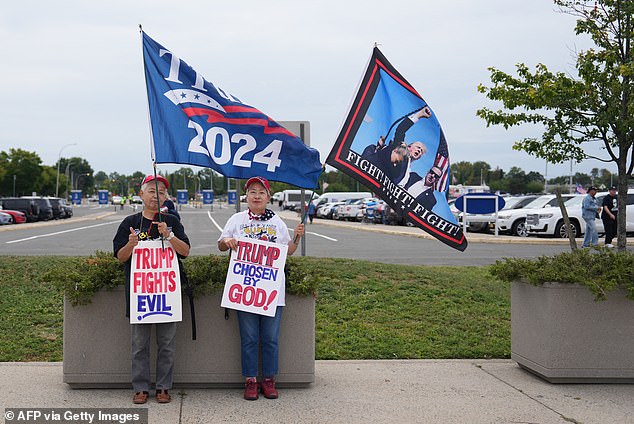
[(59, 157), (78, 177), (66, 173)]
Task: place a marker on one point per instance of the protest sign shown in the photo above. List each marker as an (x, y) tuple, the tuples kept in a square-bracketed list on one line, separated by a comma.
[(155, 284), (255, 276)]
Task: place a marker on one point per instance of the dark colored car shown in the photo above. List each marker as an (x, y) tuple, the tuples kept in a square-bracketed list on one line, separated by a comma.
[(44, 207), (67, 208), (58, 210), (29, 207)]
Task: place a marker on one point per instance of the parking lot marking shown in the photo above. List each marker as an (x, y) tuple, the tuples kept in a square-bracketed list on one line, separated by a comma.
[(214, 221), (318, 235), (61, 232)]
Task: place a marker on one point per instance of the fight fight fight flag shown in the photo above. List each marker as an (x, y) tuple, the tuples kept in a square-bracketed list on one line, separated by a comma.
[(194, 122), (392, 142)]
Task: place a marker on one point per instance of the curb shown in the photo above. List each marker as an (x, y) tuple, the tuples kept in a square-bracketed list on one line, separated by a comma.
[(416, 232)]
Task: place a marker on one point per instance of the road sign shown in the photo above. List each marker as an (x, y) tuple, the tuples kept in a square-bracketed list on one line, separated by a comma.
[(479, 202)]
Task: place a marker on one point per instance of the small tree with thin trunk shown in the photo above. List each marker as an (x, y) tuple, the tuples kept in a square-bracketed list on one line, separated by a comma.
[(595, 107)]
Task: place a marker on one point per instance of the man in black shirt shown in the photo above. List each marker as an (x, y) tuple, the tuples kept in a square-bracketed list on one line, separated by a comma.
[(149, 225), (608, 216)]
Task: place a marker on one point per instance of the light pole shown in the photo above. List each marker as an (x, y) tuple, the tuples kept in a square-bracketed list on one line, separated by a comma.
[(78, 177), (59, 158), (14, 177), (66, 173)]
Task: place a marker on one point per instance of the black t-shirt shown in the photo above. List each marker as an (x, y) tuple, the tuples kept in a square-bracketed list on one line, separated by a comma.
[(145, 230), (611, 203)]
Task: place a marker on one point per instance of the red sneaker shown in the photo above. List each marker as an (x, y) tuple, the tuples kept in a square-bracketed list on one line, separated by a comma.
[(268, 388), (251, 389)]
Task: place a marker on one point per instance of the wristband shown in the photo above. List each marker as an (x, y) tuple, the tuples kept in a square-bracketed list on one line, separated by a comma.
[(171, 236)]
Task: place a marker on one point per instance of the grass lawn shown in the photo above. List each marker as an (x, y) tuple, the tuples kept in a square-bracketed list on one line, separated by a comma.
[(364, 310)]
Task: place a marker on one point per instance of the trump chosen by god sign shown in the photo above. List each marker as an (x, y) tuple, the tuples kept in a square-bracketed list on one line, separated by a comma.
[(255, 276), (155, 284)]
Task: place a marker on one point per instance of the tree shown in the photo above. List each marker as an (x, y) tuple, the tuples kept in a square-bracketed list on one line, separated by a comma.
[(21, 168), (101, 181), (45, 183), (596, 107), (79, 174)]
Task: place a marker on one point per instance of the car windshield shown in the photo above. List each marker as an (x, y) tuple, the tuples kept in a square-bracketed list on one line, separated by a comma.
[(542, 201), (573, 201), (510, 202)]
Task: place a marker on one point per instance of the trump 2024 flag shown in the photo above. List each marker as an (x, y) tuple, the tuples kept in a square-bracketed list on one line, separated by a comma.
[(197, 123), (392, 142)]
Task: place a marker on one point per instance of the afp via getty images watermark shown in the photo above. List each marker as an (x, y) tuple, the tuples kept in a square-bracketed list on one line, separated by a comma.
[(76, 415)]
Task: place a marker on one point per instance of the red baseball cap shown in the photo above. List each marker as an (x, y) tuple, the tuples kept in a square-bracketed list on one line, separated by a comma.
[(160, 178), (260, 180)]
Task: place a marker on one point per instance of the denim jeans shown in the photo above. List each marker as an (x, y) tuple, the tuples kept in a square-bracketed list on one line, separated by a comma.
[(255, 330), (591, 237), (165, 341)]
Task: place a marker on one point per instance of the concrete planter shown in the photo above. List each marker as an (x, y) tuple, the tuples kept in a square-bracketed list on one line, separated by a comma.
[(97, 344), (560, 333)]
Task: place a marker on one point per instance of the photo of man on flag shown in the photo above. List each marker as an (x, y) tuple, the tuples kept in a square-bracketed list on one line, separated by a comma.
[(194, 122), (392, 142)]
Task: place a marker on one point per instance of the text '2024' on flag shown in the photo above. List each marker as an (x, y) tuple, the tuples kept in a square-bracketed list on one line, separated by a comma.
[(392, 142), (194, 122)]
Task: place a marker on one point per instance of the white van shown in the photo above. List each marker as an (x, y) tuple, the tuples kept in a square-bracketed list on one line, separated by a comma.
[(339, 196), (291, 198)]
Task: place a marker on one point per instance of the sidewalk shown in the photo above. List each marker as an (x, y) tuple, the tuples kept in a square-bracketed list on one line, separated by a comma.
[(389, 391)]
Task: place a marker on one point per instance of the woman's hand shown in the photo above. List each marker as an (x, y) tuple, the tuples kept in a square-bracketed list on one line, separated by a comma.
[(299, 230), (229, 243)]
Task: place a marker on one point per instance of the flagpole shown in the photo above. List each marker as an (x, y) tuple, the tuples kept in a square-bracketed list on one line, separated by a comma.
[(152, 155), (303, 221)]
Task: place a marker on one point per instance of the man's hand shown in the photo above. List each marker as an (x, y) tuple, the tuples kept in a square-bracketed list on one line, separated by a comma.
[(162, 228), (133, 239), (424, 112)]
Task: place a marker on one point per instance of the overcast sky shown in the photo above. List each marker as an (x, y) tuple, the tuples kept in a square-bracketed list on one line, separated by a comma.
[(75, 74)]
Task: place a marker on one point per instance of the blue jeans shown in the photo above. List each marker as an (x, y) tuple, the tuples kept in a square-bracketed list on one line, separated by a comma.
[(591, 237), (255, 330)]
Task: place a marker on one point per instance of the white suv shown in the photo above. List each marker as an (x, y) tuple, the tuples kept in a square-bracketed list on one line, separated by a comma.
[(514, 220), (550, 221)]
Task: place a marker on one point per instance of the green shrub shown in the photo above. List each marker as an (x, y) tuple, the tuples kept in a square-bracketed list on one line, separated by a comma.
[(80, 278), (601, 270)]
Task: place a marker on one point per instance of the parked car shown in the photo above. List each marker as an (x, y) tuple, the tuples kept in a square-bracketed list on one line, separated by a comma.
[(58, 210), (513, 221), (482, 222), (5, 218), (550, 221), (337, 213), (375, 213), (68, 209), (326, 210), (116, 200), (393, 217), (136, 199), (18, 217), (29, 207), (44, 207), (354, 210)]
